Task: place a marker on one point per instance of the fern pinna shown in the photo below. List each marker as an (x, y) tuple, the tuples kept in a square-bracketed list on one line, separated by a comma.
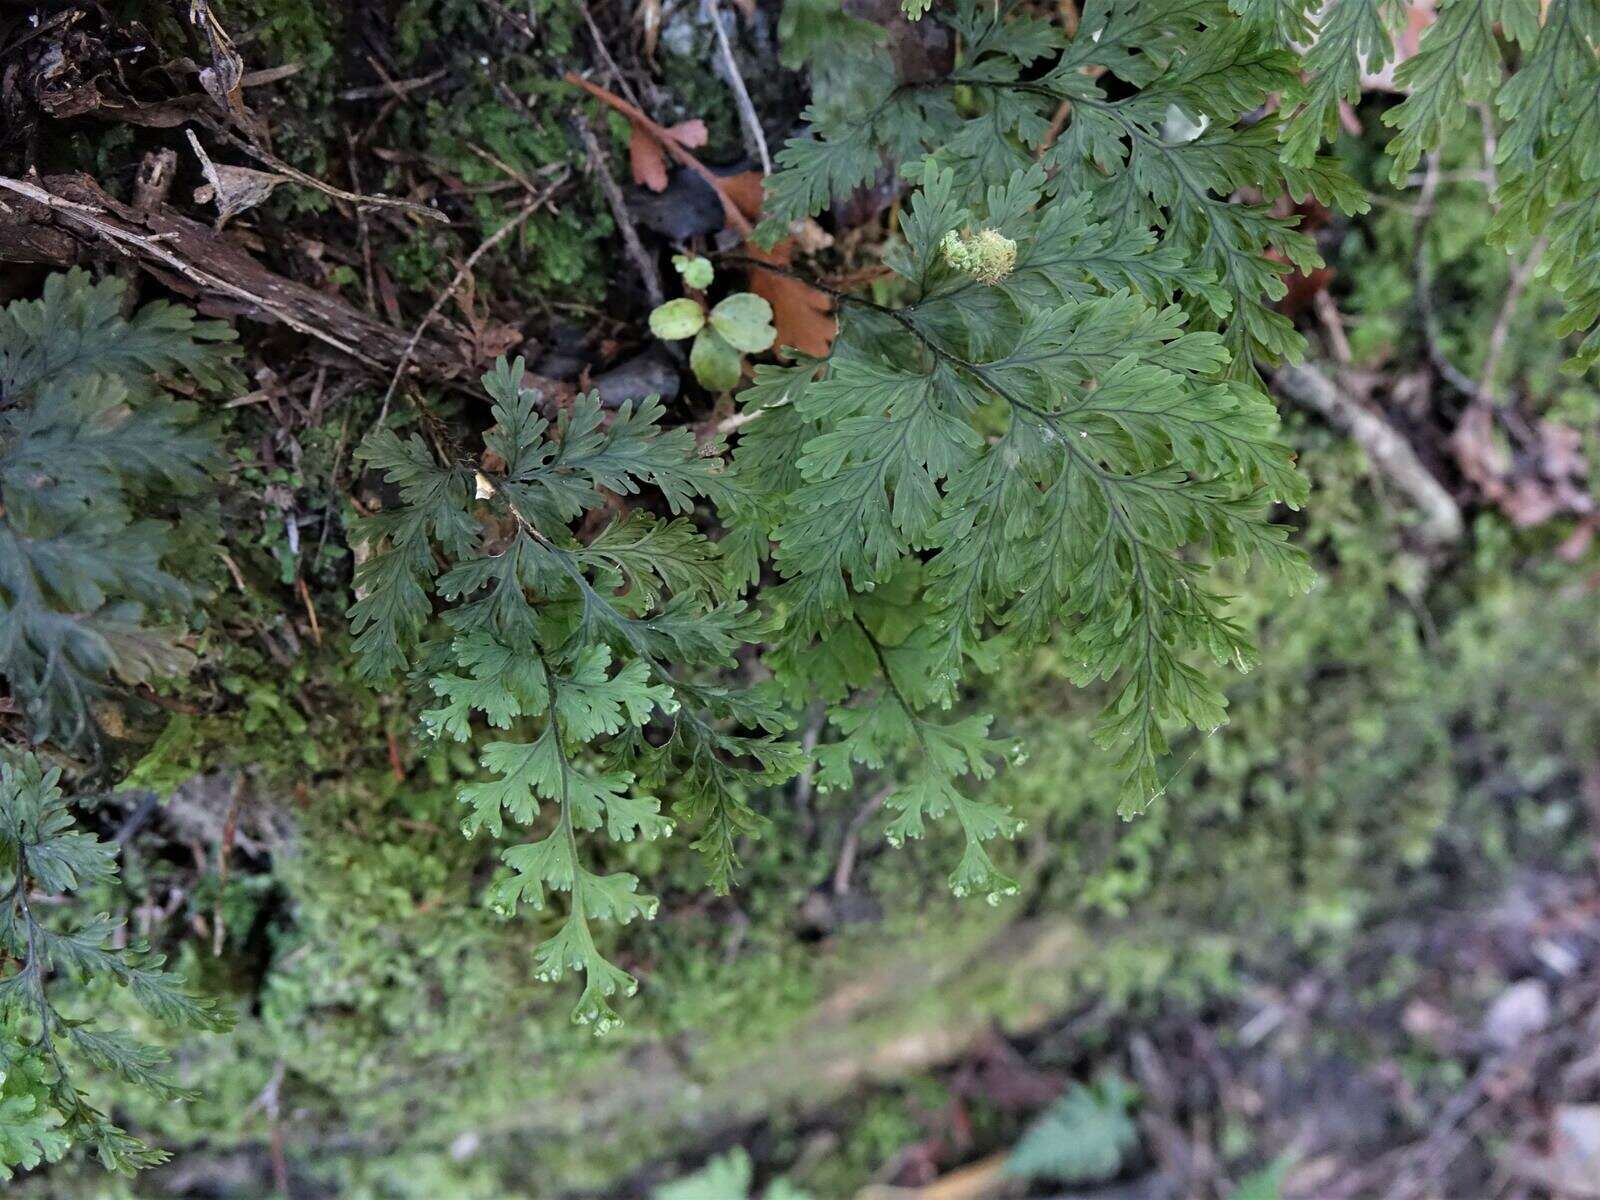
[(1047, 423)]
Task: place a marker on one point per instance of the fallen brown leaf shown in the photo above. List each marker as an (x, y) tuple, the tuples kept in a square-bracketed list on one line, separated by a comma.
[(669, 142), (233, 189), (648, 162), (689, 134), (802, 315), (745, 190), (647, 158)]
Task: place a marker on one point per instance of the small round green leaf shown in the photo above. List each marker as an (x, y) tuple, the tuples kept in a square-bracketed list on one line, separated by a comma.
[(714, 362), (696, 271), (677, 319), (745, 320)]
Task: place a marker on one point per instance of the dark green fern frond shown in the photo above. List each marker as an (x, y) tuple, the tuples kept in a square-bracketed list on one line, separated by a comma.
[(94, 460), (1537, 66)]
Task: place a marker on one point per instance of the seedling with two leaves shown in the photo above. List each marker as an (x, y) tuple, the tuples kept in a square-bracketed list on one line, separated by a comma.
[(738, 324)]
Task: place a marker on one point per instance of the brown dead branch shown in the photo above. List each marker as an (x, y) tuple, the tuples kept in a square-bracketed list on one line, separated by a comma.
[(56, 220), (1390, 454), (642, 262)]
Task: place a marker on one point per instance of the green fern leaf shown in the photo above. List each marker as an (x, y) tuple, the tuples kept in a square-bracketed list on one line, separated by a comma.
[(572, 646), (41, 851), (97, 468)]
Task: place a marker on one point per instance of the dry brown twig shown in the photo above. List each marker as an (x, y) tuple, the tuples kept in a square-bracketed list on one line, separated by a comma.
[(598, 166), (298, 176), (1424, 272), (1388, 452), (1333, 325), (94, 220), (605, 56), (1520, 274), (851, 845), (747, 111), (394, 87), (730, 208), (512, 223), (524, 26)]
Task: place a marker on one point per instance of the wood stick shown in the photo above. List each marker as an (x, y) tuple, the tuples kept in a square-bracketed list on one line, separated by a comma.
[(1389, 453)]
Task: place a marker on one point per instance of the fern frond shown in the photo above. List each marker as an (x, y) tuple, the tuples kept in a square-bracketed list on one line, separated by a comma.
[(1061, 449), (41, 852), (94, 461), (578, 647)]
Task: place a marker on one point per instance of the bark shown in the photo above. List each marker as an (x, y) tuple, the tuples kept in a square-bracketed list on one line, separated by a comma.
[(56, 220)]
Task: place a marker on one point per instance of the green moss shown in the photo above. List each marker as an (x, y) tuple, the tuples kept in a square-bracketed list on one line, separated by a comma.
[(504, 99), (504, 120), (302, 108), (403, 1008), (558, 253)]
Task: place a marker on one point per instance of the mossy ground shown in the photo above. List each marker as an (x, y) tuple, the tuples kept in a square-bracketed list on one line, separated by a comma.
[(401, 1008)]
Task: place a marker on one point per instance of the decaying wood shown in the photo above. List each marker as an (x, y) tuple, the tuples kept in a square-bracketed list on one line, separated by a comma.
[(57, 220), (1389, 453), (151, 187), (27, 235)]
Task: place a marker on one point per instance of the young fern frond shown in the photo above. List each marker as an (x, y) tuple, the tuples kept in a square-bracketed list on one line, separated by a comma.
[(588, 651)]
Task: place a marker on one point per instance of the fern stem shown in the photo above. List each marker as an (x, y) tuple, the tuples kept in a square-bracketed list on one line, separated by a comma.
[(564, 821), (888, 678), (35, 962)]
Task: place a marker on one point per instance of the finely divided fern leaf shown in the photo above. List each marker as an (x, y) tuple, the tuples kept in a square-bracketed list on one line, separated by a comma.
[(1538, 67), (1041, 453), (1082, 1138), (94, 459), (42, 853), (591, 653)]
